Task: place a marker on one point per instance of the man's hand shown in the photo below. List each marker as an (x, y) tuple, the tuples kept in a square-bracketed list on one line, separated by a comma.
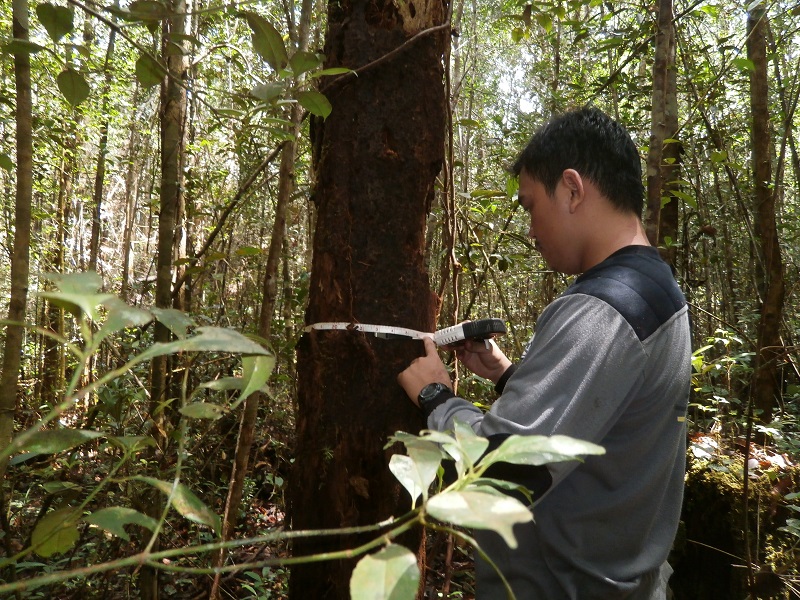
[(422, 371), (488, 362)]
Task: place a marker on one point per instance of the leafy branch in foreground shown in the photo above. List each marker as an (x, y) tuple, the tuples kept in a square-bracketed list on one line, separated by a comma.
[(386, 569)]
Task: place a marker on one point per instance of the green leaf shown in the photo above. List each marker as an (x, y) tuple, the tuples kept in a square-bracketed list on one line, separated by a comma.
[(487, 194), (302, 62), (207, 339), (77, 294), (540, 450), (248, 251), (718, 157), (176, 321), (21, 47), (332, 71), (688, 198), (6, 162), (57, 532), (148, 10), (255, 372), (57, 20), (267, 41), (202, 410), (472, 446), (407, 472), (59, 487), (73, 86), (114, 518), (52, 441), (132, 443), (266, 92), (315, 103), (185, 502), (391, 573), (744, 64), (481, 509), (121, 316), (149, 72)]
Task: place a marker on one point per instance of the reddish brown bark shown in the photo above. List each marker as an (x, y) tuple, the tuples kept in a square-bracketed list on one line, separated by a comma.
[(376, 159)]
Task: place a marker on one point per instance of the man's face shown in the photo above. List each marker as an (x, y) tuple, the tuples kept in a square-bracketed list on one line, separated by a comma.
[(550, 219)]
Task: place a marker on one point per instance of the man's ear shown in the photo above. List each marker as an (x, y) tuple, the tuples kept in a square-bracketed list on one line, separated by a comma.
[(574, 183)]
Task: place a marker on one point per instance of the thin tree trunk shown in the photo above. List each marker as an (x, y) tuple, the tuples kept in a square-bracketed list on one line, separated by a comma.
[(376, 159), (766, 388), (20, 260), (663, 159), (172, 115), (102, 151), (247, 424)]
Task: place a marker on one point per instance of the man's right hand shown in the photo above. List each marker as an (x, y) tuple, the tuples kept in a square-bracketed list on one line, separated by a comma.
[(488, 362)]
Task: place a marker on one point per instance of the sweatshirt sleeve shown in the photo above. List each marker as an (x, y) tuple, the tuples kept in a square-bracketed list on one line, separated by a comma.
[(574, 378)]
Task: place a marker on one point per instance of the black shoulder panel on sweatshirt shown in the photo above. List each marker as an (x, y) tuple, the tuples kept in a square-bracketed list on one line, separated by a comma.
[(637, 284)]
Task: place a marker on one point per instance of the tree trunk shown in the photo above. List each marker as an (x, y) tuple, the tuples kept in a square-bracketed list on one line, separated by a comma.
[(376, 158), (172, 114), (102, 150), (20, 260), (766, 388), (663, 159), (247, 424)]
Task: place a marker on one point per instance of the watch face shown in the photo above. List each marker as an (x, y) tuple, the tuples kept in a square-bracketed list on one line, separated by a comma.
[(430, 390)]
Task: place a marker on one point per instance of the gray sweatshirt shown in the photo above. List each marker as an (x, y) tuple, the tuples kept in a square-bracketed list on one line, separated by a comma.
[(610, 363)]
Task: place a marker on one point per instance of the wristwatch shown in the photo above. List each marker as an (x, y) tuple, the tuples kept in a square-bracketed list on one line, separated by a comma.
[(430, 392)]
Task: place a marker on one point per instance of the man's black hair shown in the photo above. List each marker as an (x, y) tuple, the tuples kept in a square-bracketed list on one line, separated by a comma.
[(593, 144)]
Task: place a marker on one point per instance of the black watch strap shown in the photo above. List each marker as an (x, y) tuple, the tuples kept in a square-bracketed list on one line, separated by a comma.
[(429, 405)]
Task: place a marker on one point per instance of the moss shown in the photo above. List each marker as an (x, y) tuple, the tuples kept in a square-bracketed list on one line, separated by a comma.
[(710, 554)]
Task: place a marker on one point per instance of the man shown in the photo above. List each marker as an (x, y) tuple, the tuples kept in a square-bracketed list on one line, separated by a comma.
[(609, 363)]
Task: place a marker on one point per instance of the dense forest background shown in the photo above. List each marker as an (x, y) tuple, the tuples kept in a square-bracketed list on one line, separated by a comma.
[(158, 172)]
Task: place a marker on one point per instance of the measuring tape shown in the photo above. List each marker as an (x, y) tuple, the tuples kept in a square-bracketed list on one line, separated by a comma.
[(386, 331), (483, 329)]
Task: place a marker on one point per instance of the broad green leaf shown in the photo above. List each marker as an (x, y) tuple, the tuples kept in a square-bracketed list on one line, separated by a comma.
[(59, 487), (255, 372), (315, 103), (21, 47), (114, 518), (266, 92), (149, 72), (391, 573), (176, 321), (121, 316), (57, 532), (405, 470), (57, 20), (718, 157), (332, 71), (224, 383), (302, 62), (267, 41), (77, 293), (185, 502), (472, 445), (540, 450), (517, 34), (487, 194), (688, 198), (6, 162), (132, 443), (148, 10), (744, 64), (248, 251), (202, 410), (51, 441), (481, 510), (207, 339)]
